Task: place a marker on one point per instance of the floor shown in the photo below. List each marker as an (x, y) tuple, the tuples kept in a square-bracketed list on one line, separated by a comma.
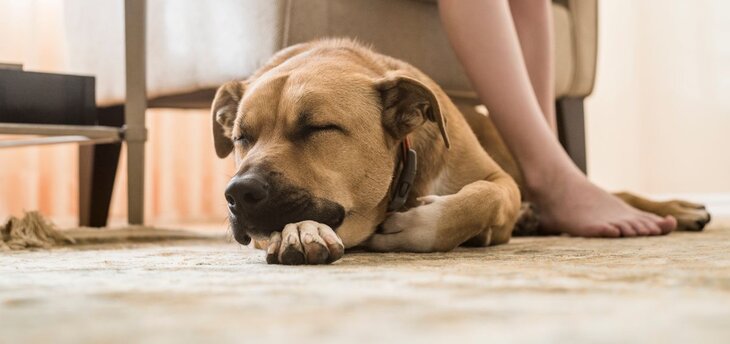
[(673, 289)]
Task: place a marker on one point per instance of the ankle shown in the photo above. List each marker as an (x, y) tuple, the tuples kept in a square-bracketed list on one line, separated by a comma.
[(545, 184)]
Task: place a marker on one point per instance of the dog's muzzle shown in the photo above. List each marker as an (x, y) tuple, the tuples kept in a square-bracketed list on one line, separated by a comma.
[(262, 203)]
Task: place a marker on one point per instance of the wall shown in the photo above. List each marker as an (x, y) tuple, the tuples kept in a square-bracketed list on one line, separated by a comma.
[(659, 118)]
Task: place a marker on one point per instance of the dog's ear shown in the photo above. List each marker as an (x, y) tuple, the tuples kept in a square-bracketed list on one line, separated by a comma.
[(407, 104), (223, 110)]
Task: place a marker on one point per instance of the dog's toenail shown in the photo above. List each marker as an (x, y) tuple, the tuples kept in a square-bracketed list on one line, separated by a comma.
[(700, 224)]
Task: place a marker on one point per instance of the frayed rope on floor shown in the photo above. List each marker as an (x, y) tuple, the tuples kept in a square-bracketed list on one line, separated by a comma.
[(31, 231)]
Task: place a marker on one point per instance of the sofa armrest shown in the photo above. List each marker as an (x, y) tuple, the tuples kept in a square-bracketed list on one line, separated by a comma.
[(584, 15)]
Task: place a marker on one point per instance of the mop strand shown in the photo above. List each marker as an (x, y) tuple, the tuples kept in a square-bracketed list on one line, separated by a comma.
[(31, 231)]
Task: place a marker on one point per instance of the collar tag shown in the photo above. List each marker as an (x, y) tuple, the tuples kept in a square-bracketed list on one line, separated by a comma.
[(404, 177)]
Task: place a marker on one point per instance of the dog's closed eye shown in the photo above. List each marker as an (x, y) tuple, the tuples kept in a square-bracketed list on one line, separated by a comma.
[(310, 129), (244, 140), (307, 126)]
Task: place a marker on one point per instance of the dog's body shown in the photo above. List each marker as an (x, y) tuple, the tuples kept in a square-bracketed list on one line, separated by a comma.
[(317, 134)]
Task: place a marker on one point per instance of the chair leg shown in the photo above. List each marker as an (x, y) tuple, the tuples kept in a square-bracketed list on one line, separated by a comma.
[(571, 129), (135, 106), (97, 172)]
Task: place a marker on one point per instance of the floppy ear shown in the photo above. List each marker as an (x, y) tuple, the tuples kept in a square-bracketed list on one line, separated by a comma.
[(224, 108), (407, 104)]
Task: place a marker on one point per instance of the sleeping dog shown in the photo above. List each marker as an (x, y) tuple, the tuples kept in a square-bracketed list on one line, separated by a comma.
[(337, 146)]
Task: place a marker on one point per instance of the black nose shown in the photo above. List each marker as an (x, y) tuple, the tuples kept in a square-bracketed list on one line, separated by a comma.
[(246, 190)]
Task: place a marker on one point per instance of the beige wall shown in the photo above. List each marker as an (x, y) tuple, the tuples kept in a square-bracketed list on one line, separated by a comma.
[(658, 121), (659, 118)]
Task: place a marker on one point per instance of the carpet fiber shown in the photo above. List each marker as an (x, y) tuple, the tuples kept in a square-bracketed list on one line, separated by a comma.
[(555, 289)]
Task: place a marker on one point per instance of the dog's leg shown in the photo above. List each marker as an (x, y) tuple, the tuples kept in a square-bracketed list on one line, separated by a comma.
[(305, 242), (690, 216), (485, 210)]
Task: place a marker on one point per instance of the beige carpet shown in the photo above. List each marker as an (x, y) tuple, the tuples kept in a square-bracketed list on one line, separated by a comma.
[(673, 289)]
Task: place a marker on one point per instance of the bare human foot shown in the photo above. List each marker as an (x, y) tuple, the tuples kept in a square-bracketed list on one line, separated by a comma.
[(516, 85), (575, 206)]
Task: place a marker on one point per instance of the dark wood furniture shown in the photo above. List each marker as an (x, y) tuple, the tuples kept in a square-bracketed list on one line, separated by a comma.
[(571, 129), (62, 109)]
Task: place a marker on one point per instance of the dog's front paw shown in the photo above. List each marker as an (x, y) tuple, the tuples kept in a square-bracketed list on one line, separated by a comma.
[(305, 242), (690, 216), (414, 230)]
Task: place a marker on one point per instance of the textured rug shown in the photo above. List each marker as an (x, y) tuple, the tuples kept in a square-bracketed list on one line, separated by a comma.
[(673, 289)]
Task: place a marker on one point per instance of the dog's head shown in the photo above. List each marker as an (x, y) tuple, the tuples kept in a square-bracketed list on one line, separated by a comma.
[(315, 140)]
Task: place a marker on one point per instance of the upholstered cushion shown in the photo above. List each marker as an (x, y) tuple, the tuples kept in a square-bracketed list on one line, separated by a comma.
[(584, 33), (194, 46), (411, 31), (564, 50), (408, 30)]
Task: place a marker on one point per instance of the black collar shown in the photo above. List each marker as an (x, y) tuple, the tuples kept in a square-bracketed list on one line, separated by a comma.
[(403, 177)]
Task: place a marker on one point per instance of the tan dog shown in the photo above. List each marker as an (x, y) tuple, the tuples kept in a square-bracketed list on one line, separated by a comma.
[(323, 137)]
